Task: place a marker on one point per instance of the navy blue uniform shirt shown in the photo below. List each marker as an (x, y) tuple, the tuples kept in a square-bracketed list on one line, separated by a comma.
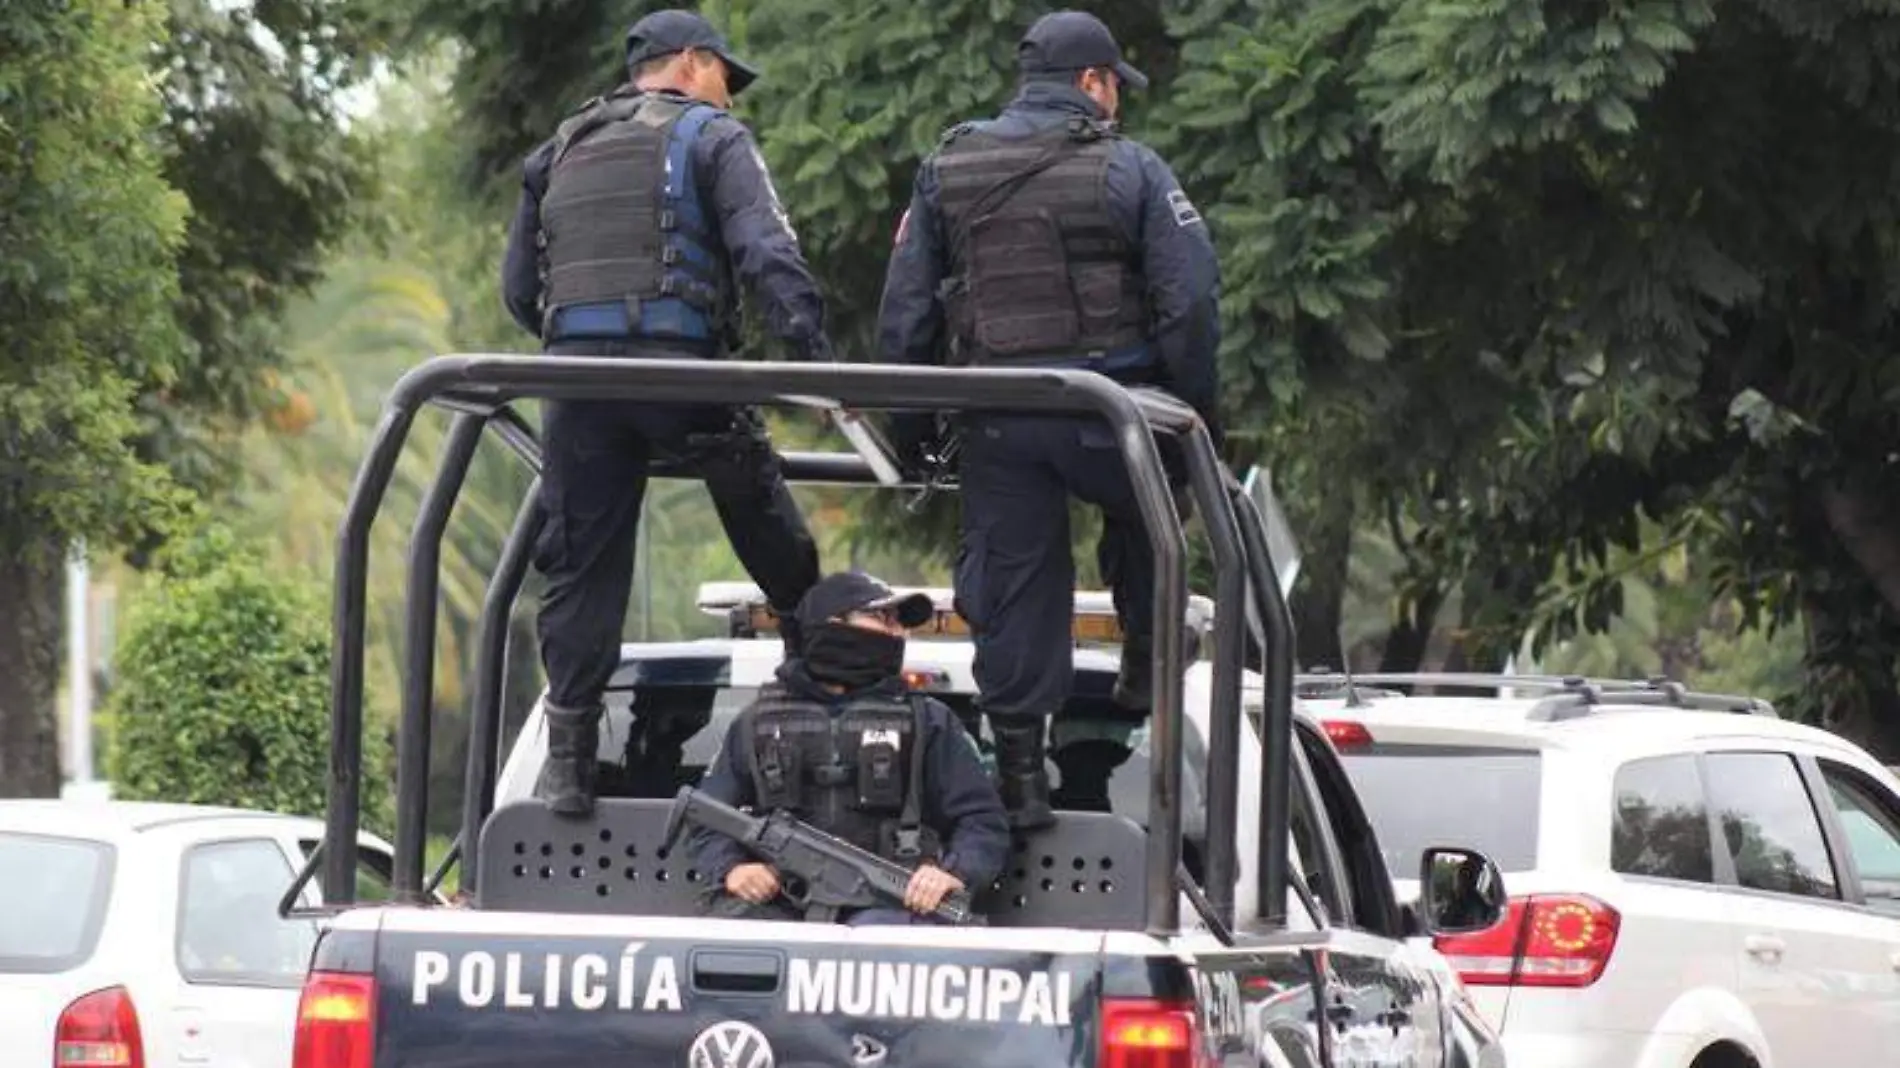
[(959, 801), (1147, 204), (735, 188)]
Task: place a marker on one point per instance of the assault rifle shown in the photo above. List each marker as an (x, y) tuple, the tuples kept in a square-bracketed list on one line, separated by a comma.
[(817, 872)]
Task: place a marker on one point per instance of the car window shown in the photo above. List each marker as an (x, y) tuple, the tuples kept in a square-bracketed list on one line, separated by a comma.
[(1873, 835), (374, 872), (1769, 824), (53, 897), (1419, 796), (229, 932), (1312, 836), (1660, 821)]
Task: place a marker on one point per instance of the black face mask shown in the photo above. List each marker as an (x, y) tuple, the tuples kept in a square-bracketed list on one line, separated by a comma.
[(852, 657)]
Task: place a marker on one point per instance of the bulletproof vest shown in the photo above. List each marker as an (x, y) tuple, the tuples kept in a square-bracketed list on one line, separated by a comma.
[(856, 774), (622, 223), (1038, 270)]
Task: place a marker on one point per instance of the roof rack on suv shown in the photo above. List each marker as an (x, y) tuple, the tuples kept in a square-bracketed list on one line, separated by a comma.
[(1569, 696)]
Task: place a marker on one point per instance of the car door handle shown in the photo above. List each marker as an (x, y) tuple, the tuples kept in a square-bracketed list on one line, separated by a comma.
[(1764, 948), (1894, 959)]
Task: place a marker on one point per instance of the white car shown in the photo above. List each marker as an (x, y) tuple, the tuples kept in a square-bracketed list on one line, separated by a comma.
[(141, 935), (1694, 882)]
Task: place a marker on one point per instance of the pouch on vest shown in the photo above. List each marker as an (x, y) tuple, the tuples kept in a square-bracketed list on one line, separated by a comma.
[(880, 780), (775, 767), (1017, 262)]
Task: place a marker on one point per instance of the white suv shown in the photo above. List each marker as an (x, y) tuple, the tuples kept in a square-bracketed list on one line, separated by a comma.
[(1695, 882)]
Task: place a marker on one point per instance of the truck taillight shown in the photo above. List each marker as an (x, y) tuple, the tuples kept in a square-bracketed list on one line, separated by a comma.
[(1547, 940), (336, 1021), (1143, 1033), (99, 1030)]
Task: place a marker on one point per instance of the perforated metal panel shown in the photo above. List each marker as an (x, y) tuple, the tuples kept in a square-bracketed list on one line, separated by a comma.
[(613, 862), (1086, 871)]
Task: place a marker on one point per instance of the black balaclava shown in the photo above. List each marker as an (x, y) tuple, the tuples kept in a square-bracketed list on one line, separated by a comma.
[(852, 657)]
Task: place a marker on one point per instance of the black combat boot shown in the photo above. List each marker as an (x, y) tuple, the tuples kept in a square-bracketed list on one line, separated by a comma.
[(1134, 683), (1023, 779), (567, 779)]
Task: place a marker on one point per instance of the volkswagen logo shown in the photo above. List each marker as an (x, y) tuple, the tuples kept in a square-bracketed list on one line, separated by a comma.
[(730, 1044)]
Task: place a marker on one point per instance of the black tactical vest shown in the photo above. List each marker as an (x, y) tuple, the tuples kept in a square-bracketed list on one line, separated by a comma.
[(1038, 270), (857, 774), (622, 223)]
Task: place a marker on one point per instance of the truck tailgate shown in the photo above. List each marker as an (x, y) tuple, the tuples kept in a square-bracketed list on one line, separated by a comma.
[(478, 990)]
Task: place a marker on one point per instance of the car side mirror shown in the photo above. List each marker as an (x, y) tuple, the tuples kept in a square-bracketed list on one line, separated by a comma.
[(1460, 892)]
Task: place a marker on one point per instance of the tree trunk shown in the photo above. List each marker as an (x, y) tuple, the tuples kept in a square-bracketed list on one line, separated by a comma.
[(1411, 633), (29, 677), (1868, 532), (1855, 694), (1319, 602)]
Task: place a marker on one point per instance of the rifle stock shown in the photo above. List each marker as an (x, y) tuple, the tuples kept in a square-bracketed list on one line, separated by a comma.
[(828, 870)]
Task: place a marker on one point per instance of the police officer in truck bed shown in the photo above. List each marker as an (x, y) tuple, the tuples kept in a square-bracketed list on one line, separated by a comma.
[(635, 220), (839, 743), (1042, 238)]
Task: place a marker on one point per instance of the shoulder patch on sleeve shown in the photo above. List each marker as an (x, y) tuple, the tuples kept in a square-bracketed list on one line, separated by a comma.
[(1185, 213)]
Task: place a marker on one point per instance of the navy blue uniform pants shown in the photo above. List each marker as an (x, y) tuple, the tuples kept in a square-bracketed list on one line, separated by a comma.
[(593, 479), (1015, 577)]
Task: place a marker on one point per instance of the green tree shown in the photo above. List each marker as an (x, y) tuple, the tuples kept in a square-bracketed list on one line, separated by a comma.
[(223, 691), (91, 233), (1579, 265), (255, 137)]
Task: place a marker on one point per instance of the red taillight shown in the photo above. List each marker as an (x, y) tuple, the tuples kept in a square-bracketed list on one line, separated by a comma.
[(1560, 940), (926, 679), (1141, 1033), (1345, 734), (336, 1021), (100, 1030)]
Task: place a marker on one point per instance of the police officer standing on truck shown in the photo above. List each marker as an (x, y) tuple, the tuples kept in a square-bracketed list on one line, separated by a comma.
[(635, 219), (1043, 238), (838, 741)]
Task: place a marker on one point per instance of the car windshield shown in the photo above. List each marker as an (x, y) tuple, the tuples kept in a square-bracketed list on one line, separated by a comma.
[(53, 897), (1421, 796)]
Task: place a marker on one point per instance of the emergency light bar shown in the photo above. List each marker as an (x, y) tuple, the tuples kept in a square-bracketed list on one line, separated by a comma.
[(1094, 620)]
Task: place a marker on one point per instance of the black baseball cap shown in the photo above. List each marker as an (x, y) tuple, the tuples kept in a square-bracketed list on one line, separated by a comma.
[(851, 591), (1074, 40), (674, 30)]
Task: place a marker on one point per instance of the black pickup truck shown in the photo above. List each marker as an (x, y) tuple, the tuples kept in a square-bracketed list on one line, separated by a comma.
[(1119, 939)]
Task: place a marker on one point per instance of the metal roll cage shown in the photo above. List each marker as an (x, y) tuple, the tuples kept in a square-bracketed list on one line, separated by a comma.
[(479, 389)]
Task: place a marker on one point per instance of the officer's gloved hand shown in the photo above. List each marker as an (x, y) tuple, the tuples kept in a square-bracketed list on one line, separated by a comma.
[(913, 437)]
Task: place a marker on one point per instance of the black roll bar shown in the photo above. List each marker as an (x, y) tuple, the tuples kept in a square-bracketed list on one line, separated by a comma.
[(416, 730), (491, 676), (479, 387), (1276, 734)]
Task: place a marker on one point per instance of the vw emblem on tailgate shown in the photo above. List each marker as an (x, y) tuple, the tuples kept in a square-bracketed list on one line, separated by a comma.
[(730, 1044)]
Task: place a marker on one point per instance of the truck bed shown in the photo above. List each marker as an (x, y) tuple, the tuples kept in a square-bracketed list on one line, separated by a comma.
[(468, 989)]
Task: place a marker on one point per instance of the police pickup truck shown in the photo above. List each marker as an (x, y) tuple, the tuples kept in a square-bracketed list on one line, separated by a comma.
[(1153, 925)]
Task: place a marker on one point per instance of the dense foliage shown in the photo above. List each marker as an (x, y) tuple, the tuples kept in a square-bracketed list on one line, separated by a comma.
[(223, 683), (1502, 278), (91, 234)]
